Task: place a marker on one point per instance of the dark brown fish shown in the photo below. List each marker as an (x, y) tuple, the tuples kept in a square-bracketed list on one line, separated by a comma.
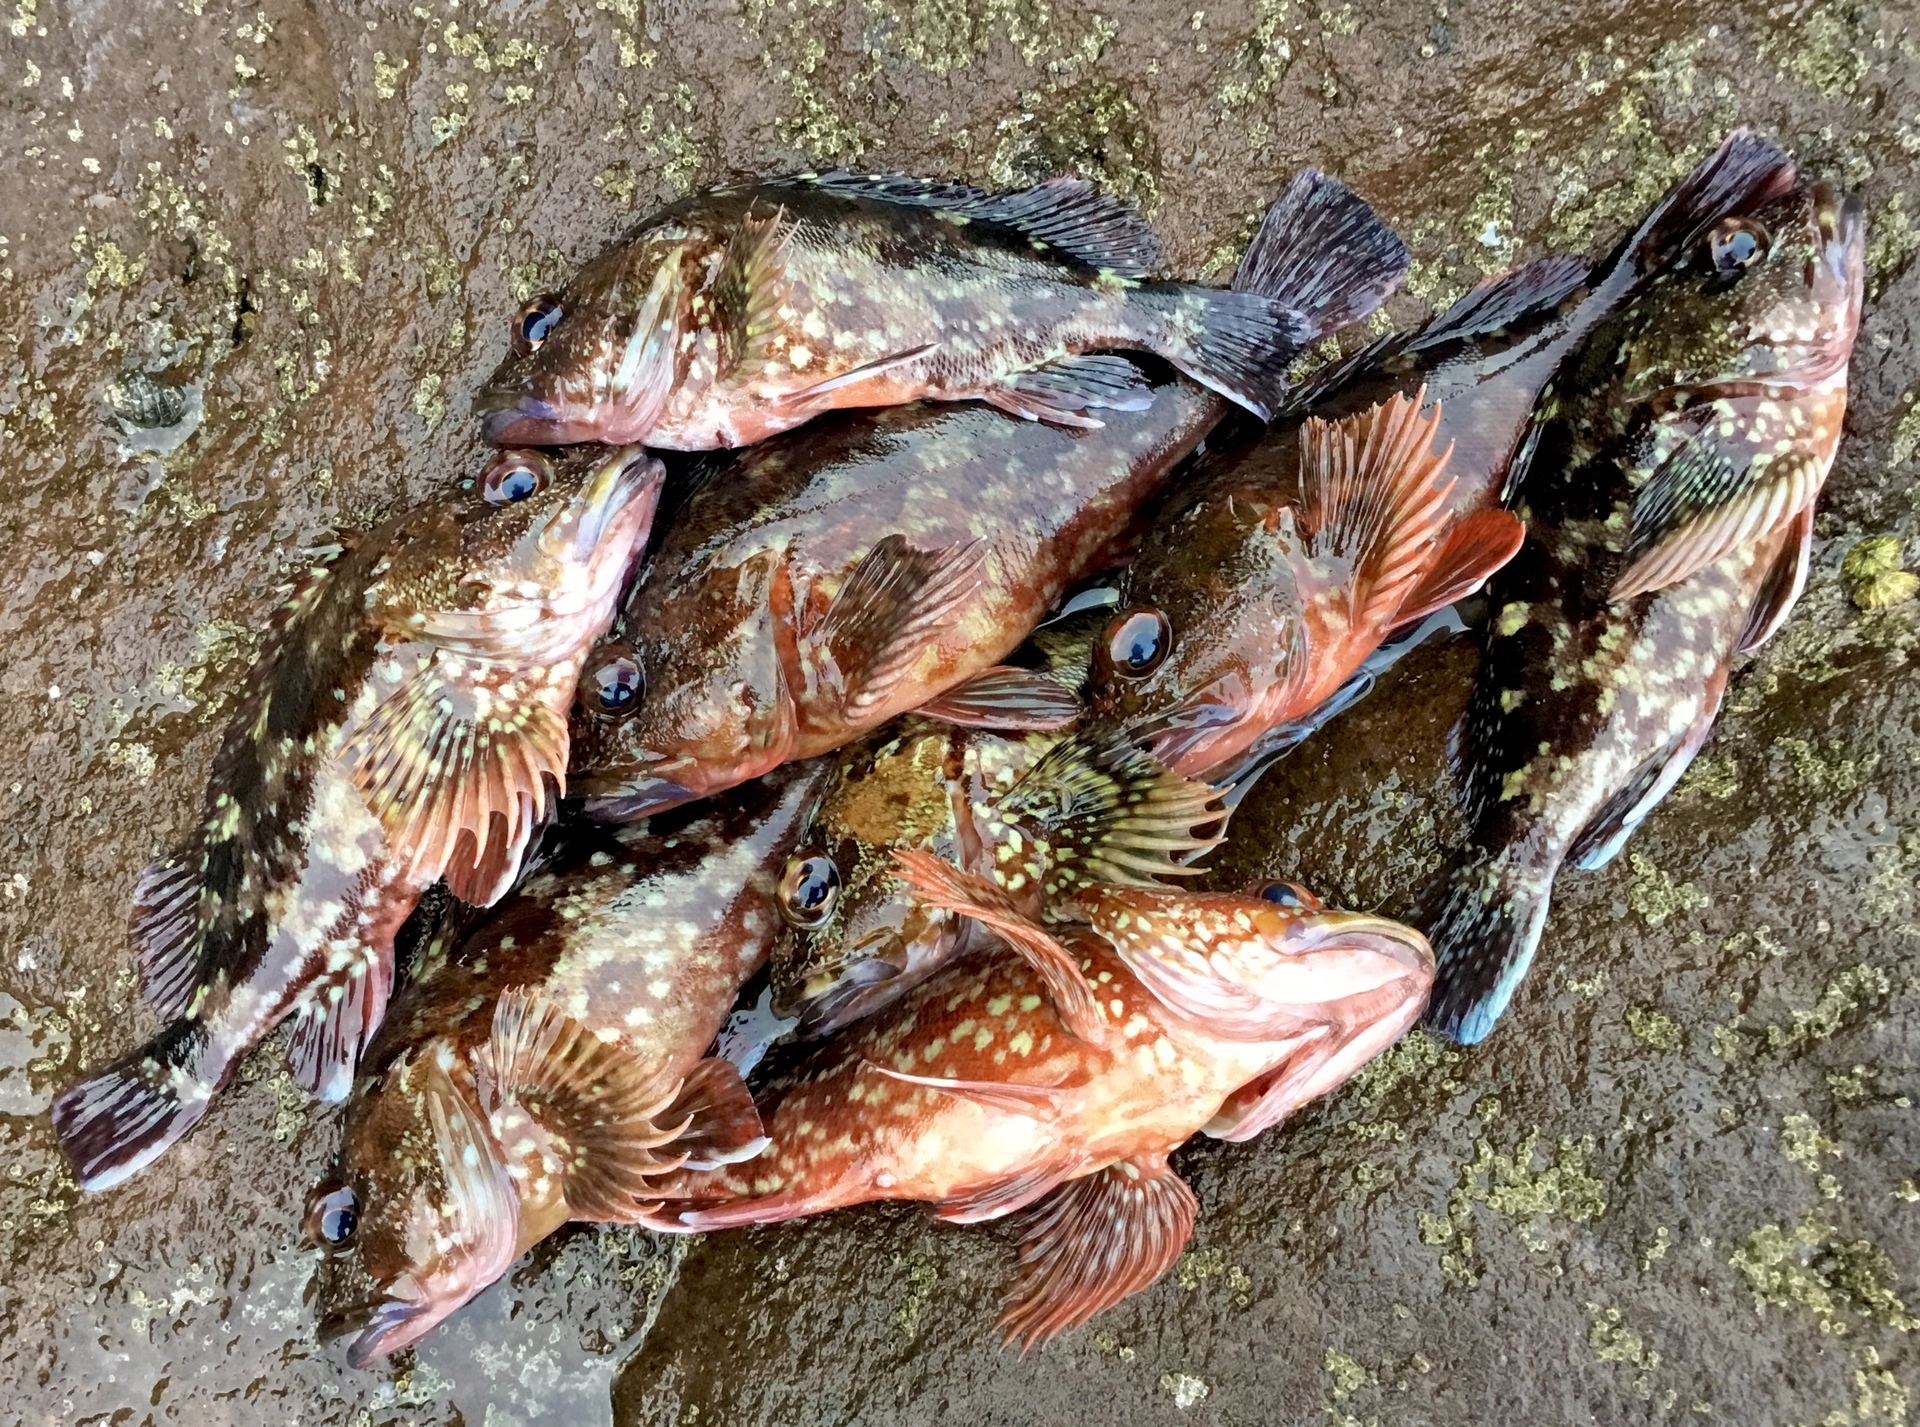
[(741, 312), (1215, 1013), (406, 720), (1275, 567), (552, 1065), (1668, 492), (988, 801), (825, 581)]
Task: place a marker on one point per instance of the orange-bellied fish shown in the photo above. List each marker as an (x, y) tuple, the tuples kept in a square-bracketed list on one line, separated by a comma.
[(1668, 492), (822, 582), (738, 313), (406, 720), (1217, 1013), (1273, 570), (553, 1065)]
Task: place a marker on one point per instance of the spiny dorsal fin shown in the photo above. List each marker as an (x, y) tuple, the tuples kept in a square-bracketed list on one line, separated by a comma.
[(1098, 1240), (1701, 505), (1373, 492), (166, 931), (602, 1115), (1067, 215), (460, 790), (1098, 808), (938, 883), (894, 604)]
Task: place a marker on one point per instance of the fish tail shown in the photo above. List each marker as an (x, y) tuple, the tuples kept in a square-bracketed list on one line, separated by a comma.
[(1743, 173), (119, 1120), (1324, 252), (1483, 915), (1239, 344)]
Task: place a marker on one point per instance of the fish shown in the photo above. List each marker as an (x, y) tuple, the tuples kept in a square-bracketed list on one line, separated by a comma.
[(406, 720), (744, 311), (1222, 1014), (1668, 490), (820, 583), (552, 1063), (1276, 565), (990, 801)]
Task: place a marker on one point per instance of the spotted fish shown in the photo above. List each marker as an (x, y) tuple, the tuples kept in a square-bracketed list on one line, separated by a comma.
[(742, 312), (823, 582), (552, 1064), (406, 720), (1668, 492), (987, 800), (1272, 570), (1219, 1013)]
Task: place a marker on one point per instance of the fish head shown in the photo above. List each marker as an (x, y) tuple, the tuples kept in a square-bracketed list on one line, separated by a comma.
[(856, 937), (419, 1213), (684, 705), (596, 360), (538, 551), (1763, 297)]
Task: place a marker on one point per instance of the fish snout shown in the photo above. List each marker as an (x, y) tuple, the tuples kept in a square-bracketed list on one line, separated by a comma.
[(626, 488), (378, 1328), (1370, 951), (512, 417), (827, 1002)]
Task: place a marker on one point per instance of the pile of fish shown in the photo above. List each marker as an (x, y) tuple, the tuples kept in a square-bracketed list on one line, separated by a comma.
[(913, 696)]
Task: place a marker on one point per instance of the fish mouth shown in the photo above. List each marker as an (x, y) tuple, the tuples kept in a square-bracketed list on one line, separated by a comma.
[(511, 417), (1400, 945), (626, 479), (379, 1329), (628, 799), (827, 1003), (1842, 221)]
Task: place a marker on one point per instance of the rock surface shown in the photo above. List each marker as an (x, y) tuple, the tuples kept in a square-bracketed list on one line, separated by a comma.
[(254, 261)]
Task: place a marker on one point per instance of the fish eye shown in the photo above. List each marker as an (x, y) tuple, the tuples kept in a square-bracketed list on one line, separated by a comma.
[(808, 891), (334, 1216), (1735, 245), (535, 323), (515, 476), (616, 683), (1137, 642), (1289, 894)]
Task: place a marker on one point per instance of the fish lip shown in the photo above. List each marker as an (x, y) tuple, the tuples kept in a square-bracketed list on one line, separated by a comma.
[(834, 1007), (621, 481), (510, 417), (635, 799), (1393, 939), (371, 1325)]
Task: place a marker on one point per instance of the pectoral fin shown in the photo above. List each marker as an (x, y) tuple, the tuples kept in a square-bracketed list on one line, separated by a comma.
[(866, 371), (715, 1113), (460, 781), (938, 883), (1098, 1240), (339, 1015), (895, 604), (1004, 697), (749, 290), (1786, 578), (1476, 547), (1700, 506), (1064, 390), (604, 1120)]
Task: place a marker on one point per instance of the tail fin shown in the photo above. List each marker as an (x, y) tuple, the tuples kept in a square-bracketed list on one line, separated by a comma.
[(1484, 917), (1743, 173), (115, 1123), (1323, 251), (1239, 344)]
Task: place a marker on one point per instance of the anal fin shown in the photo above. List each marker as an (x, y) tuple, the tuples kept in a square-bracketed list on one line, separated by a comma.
[(894, 604), (165, 928), (1063, 391), (1001, 1197), (1004, 697), (938, 883), (1098, 1240), (719, 1124)]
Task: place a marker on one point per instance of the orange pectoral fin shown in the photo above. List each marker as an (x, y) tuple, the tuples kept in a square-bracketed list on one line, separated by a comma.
[(1098, 1240), (940, 884)]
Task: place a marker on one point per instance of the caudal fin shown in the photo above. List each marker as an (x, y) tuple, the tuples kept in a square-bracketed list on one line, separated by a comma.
[(1321, 259), (1323, 251), (1736, 178), (118, 1121), (1484, 917)]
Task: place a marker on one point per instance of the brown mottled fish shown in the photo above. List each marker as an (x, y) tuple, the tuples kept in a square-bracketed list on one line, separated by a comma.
[(989, 801), (825, 581), (741, 312), (1219, 1013), (406, 720), (553, 1065), (1276, 566), (1668, 492)]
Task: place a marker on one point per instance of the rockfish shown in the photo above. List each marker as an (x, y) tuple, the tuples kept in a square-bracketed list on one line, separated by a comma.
[(1215, 1013), (1668, 492), (1277, 565), (552, 1065), (825, 581), (406, 720), (742, 312)]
